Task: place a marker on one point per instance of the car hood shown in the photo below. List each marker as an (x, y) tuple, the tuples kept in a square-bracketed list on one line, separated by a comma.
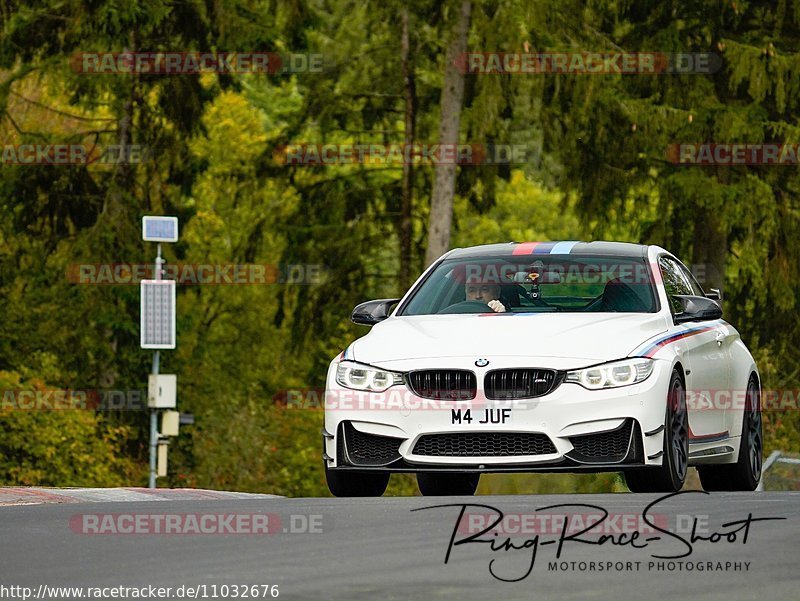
[(587, 337)]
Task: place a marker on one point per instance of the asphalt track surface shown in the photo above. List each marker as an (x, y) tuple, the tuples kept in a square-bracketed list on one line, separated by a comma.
[(382, 549)]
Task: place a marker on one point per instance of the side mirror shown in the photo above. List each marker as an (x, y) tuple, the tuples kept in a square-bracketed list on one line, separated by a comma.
[(372, 312), (697, 308), (714, 294)]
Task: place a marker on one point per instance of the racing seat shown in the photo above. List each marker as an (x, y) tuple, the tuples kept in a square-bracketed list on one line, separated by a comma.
[(620, 297)]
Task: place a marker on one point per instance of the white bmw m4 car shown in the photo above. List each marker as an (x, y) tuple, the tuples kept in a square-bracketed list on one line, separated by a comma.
[(545, 357)]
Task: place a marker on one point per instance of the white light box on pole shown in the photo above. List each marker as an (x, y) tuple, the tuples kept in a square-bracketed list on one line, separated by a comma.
[(163, 445), (159, 229), (157, 317), (162, 391), (170, 423)]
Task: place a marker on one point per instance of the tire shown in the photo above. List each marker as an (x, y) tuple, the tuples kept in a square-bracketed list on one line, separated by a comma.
[(671, 475), (447, 484), (345, 483), (746, 472)]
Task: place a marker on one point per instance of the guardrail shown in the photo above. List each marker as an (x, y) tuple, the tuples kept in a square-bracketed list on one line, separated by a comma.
[(775, 457)]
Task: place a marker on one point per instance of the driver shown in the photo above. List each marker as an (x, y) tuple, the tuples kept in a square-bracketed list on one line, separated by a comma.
[(484, 293)]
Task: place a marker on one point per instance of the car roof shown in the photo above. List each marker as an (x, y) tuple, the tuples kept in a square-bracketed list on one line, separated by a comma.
[(565, 247)]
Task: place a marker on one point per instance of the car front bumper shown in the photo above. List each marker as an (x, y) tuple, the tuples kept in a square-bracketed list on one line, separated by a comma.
[(576, 429)]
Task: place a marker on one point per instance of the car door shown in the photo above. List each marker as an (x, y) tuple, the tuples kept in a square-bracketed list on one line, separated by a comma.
[(725, 335), (704, 359)]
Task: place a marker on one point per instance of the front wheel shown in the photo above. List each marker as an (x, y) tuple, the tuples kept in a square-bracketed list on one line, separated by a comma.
[(442, 485), (345, 483), (675, 455), (746, 472)]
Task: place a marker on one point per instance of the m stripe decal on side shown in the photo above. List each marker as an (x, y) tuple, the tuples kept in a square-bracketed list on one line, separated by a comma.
[(651, 348)]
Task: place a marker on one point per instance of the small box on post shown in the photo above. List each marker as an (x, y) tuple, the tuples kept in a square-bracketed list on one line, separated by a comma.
[(162, 391), (163, 445), (170, 423)]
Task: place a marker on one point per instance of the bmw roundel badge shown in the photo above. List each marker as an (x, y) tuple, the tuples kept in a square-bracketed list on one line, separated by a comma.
[(481, 362)]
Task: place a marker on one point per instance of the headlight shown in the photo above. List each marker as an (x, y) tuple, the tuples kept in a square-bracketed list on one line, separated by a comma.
[(612, 375), (363, 377)]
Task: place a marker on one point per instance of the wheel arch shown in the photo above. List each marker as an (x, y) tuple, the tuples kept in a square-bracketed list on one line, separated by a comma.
[(678, 365)]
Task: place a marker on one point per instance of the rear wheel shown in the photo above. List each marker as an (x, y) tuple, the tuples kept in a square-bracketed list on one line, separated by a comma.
[(746, 472), (671, 475), (345, 483), (446, 484)]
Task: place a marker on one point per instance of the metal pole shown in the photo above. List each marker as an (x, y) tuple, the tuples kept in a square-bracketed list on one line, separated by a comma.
[(153, 432), (773, 457), (154, 412)]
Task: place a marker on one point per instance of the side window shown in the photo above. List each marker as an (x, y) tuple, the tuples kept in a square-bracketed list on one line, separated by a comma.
[(689, 277), (675, 282)]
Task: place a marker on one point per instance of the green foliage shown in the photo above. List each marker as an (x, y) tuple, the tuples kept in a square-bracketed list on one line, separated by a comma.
[(67, 447), (262, 447), (524, 210), (541, 484)]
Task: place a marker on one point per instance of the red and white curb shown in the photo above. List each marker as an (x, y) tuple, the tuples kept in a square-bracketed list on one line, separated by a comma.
[(19, 495)]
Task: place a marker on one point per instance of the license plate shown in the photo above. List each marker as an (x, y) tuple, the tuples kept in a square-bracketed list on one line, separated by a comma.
[(480, 416)]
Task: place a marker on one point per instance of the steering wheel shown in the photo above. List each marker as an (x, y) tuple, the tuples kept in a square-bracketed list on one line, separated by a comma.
[(467, 306)]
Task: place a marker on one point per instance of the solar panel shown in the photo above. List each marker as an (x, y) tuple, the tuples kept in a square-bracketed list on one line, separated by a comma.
[(159, 229), (157, 318)]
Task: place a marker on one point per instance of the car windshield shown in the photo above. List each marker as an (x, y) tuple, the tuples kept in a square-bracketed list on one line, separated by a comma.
[(531, 284)]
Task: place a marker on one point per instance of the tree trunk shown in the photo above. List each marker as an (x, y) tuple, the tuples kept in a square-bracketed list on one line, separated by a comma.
[(441, 216), (122, 181), (709, 251), (406, 201)]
